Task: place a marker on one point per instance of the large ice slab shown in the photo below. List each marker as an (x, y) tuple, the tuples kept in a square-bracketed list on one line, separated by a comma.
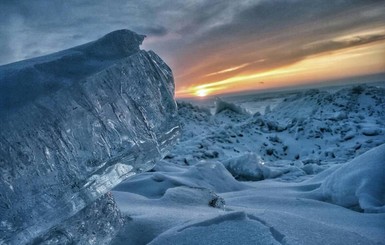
[(98, 223), (74, 124)]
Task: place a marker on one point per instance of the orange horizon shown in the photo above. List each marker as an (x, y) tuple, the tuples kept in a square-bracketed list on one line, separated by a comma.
[(349, 62)]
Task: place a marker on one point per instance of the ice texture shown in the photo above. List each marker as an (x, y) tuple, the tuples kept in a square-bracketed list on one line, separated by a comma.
[(95, 224), (221, 105), (76, 123)]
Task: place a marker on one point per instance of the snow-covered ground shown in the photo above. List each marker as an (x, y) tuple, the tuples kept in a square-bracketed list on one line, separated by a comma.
[(302, 167)]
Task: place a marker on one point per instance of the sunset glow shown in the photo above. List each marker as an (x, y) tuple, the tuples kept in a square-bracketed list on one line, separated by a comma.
[(356, 61), (201, 92), (218, 47)]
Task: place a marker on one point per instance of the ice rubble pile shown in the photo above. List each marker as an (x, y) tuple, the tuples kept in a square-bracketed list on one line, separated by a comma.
[(331, 127), (285, 199), (221, 106), (73, 125)]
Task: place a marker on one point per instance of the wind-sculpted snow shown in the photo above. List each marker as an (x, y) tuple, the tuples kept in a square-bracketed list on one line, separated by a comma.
[(76, 123), (301, 173), (358, 184)]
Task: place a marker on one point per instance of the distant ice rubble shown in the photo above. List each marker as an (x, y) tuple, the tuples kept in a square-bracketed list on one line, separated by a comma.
[(73, 125), (286, 143), (304, 172), (221, 106), (328, 128)]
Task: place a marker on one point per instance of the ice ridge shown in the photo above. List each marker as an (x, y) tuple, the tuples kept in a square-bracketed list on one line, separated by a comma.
[(76, 123)]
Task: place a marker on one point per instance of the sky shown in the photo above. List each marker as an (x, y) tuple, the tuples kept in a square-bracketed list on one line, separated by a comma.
[(214, 47)]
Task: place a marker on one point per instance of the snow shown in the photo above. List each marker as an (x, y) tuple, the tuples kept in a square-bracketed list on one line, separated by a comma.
[(359, 183), (210, 175), (288, 176), (254, 213)]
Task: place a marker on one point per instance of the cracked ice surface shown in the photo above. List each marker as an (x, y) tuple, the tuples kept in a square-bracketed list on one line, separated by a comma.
[(76, 123)]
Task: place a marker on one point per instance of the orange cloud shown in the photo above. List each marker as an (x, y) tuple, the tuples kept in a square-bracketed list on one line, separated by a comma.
[(350, 62)]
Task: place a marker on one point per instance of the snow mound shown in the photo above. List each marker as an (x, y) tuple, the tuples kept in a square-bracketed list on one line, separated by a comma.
[(231, 228), (359, 183), (193, 196), (209, 175), (251, 167)]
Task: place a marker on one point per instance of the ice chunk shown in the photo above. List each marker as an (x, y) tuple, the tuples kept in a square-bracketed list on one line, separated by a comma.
[(95, 224), (251, 167), (221, 105), (76, 123), (26, 81), (248, 166)]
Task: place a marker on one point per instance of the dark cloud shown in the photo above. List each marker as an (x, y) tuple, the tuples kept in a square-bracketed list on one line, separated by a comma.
[(151, 30), (332, 45), (41, 26), (277, 32)]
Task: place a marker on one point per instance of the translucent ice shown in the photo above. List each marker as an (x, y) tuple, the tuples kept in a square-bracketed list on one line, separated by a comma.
[(74, 124)]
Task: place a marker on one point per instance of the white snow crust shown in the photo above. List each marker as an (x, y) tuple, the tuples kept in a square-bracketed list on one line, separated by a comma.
[(309, 169)]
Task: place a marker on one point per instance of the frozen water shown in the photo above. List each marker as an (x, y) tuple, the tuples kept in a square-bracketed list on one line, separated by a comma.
[(307, 171), (95, 224), (76, 123), (221, 105)]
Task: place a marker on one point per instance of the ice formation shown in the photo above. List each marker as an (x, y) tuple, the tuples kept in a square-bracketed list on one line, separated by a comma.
[(221, 105), (306, 171), (73, 125)]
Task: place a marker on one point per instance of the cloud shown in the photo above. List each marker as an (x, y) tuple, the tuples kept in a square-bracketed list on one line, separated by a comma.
[(332, 45), (277, 32), (196, 37), (151, 30), (35, 27)]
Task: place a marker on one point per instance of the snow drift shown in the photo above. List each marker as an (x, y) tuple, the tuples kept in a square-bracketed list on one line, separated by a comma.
[(283, 177), (358, 184), (76, 123)]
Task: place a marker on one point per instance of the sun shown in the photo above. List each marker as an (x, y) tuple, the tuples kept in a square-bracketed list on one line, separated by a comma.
[(201, 92)]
